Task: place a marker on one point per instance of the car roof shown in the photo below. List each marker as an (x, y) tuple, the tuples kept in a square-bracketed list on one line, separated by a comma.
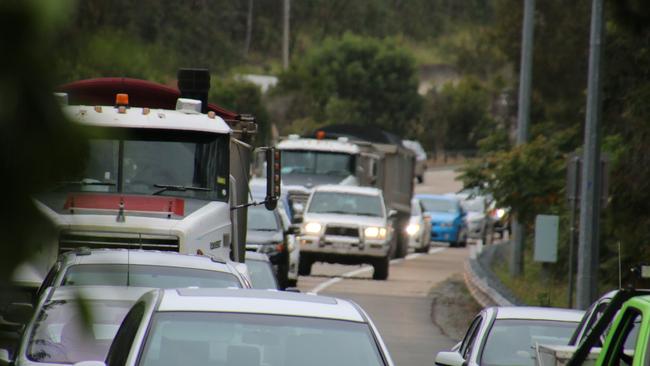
[(103, 293), (270, 302), (539, 313), (145, 257), (348, 189), (442, 197), (255, 256)]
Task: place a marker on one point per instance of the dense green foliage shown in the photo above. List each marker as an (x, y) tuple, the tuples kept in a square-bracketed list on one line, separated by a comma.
[(354, 80), (531, 178)]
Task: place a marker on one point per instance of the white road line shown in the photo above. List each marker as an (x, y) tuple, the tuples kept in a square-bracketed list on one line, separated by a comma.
[(363, 269)]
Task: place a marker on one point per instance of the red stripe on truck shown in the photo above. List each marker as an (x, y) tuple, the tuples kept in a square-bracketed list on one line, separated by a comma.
[(85, 201)]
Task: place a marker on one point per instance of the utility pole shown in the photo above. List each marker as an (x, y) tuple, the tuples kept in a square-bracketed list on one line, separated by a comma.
[(249, 28), (285, 33), (523, 120), (588, 244)]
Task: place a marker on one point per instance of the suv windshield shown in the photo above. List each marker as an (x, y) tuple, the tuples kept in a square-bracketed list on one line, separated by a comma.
[(317, 162), (146, 276), (147, 161), (438, 205), (346, 203), (61, 336), (261, 219), (193, 338)]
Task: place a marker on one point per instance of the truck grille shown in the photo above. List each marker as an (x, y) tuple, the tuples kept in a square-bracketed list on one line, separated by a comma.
[(72, 240), (342, 231)]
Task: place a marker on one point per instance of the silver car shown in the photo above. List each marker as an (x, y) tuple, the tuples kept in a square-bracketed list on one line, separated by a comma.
[(198, 327), (508, 335), (66, 330), (419, 228), (143, 268)]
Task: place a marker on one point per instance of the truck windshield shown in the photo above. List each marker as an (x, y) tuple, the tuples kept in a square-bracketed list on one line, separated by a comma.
[(346, 203), (317, 162), (147, 161)]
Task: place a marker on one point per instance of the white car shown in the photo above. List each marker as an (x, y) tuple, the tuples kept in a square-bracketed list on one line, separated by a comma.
[(143, 268), (419, 228), (508, 335), (348, 225), (58, 332), (197, 327), (476, 220)]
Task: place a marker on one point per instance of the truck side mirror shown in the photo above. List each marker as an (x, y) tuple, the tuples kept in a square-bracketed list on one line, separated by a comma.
[(449, 359), (19, 312), (273, 179)]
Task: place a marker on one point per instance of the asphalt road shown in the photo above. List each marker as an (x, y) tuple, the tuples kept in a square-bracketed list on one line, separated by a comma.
[(400, 306)]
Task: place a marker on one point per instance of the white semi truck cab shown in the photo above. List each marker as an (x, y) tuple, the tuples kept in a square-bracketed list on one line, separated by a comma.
[(162, 172)]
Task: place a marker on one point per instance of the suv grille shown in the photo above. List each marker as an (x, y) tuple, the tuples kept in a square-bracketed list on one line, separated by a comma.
[(342, 231), (72, 240)]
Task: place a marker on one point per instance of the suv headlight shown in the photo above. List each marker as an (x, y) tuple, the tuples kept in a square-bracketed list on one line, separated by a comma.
[(313, 228), (374, 232), (412, 229)]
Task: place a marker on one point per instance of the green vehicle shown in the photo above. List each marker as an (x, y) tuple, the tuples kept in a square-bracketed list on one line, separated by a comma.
[(627, 340)]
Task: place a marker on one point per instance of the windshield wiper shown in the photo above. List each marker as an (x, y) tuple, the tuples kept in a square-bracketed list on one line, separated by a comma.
[(176, 188)]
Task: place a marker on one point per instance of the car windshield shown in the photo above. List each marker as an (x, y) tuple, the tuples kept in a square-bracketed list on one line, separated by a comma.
[(512, 342), (439, 205), (261, 219), (61, 336), (146, 276), (346, 203), (262, 276), (198, 339), (150, 162), (317, 162), (473, 205)]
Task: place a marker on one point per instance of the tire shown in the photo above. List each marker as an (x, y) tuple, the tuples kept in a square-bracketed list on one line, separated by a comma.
[(424, 249), (420, 179), (292, 283), (283, 276), (304, 267), (462, 239), (402, 240), (381, 267)]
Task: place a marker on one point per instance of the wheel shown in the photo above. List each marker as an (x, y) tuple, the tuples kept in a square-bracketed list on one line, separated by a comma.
[(423, 249), (462, 239), (304, 267), (381, 269), (292, 283), (283, 276), (420, 179)]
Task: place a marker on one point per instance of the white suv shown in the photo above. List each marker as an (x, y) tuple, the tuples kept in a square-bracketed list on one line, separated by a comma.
[(348, 225)]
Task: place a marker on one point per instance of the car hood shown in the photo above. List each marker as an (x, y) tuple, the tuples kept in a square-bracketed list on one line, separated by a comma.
[(263, 237), (442, 216), (345, 219)]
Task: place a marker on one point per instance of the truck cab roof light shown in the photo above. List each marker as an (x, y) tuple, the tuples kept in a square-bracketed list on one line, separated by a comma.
[(146, 111), (62, 98), (188, 105), (343, 139), (211, 114), (98, 109), (320, 135), (294, 136), (121, 100)]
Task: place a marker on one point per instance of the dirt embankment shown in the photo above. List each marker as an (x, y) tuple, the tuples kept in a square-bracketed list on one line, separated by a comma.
[(453, 307)]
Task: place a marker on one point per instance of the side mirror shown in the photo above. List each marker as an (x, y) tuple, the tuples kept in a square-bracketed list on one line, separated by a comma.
[(392, 213), (449, 359), (273, 179), (293, 230), (5, 358), (19, 312)]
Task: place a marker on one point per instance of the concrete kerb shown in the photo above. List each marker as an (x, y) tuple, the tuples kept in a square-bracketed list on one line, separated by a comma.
[(482, 283)]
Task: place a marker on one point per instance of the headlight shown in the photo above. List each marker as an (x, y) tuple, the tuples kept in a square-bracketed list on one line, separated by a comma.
[(313, 228), (500, 213), (375, 232), (412, 229)]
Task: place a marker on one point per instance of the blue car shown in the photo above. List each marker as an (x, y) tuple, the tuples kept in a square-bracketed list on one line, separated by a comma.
[(447, 218)]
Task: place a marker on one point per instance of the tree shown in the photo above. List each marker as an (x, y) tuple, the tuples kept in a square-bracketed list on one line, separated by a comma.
[(354, 80)]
